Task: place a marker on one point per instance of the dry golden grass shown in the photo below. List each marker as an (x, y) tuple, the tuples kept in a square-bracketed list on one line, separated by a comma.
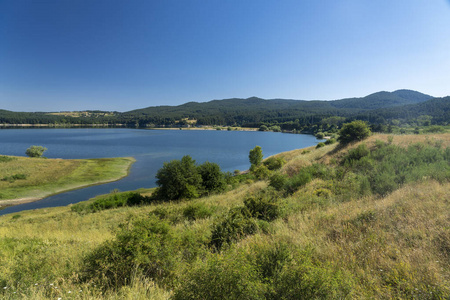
[(400, 241), (392, 247), (336, 151)]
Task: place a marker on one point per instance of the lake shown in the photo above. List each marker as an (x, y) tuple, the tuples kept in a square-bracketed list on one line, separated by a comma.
[(150, 148)]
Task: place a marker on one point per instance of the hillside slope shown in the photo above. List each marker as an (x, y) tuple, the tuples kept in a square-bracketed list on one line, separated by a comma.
[(340, 234)]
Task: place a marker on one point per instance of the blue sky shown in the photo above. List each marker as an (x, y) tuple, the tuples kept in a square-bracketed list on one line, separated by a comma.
[(121, 55)]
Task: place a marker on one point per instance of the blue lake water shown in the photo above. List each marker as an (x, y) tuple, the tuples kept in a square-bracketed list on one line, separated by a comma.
[(150, 148)]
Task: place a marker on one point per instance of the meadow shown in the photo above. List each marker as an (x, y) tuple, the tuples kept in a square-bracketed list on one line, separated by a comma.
[(26, 179), (365, 220)]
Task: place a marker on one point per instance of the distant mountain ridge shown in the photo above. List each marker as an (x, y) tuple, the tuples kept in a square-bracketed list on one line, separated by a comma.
[(372, 101), (377, 107)]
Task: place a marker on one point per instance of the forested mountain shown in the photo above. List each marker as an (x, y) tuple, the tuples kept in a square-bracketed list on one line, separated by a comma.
[(383, 100), (253, 111), (377, 108)]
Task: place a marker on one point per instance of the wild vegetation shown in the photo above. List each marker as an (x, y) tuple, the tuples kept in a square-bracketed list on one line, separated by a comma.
[(366, 219), (24, 177)]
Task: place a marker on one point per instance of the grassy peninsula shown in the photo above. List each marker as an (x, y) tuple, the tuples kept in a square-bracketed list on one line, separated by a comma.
[(27, 179), (366, 220)]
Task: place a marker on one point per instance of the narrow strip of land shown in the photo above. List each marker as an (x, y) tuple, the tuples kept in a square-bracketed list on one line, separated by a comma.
[(25, 179)]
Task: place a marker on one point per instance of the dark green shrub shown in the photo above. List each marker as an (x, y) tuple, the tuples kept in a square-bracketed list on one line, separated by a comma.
[(255, 156), (295, 182), (35, 151), (330, 141), (274, 163), (356, 154), (196, 211), (136, 199), (320, 145), (354, 131), (275, 128), (179, 179), (110, 201), (237, 224), (15, 177), (4, 158), (213, 180), (260, 172), (320, 135), (263, 205), (277, 181), (143, 247)]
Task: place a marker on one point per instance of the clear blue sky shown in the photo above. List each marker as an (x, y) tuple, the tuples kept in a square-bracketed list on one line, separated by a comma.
[(125, 54)]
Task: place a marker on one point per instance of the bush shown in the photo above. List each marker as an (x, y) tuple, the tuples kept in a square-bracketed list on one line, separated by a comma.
[(275, 128), (320, 135), (320, 145), (184, 179), (179, 179), (4, 158), (277, 181), (255, 156), (354, 131), (15, 177), (295, 182), (235, 225), (274, 163), (356, 154), (264, 206), (35, 151), (114, 200), (330, 141), (261, 172), (213, 180), (143, 247)]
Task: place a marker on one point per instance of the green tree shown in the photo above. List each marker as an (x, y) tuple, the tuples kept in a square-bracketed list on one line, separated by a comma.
[(354, 131), (263, 128), (212, 178), (255, 156), (35, 151), (179, 179)]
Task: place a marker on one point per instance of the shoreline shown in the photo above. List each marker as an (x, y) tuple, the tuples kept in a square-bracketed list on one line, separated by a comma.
[(4, 203)]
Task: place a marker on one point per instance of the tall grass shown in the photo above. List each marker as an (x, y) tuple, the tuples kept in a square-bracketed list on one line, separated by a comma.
[(329, 239)]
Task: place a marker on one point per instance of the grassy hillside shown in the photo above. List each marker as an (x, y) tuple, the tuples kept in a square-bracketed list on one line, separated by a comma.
[(343, 225), (25, 178)]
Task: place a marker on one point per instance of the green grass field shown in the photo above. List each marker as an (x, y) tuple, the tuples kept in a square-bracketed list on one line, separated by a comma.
[(333, 237), (23, 177)]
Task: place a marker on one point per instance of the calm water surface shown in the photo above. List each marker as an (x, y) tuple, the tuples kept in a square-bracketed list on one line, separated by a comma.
[(150, 148)]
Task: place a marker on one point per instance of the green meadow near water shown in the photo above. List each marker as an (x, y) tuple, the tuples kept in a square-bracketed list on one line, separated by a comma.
[(24, 177)]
